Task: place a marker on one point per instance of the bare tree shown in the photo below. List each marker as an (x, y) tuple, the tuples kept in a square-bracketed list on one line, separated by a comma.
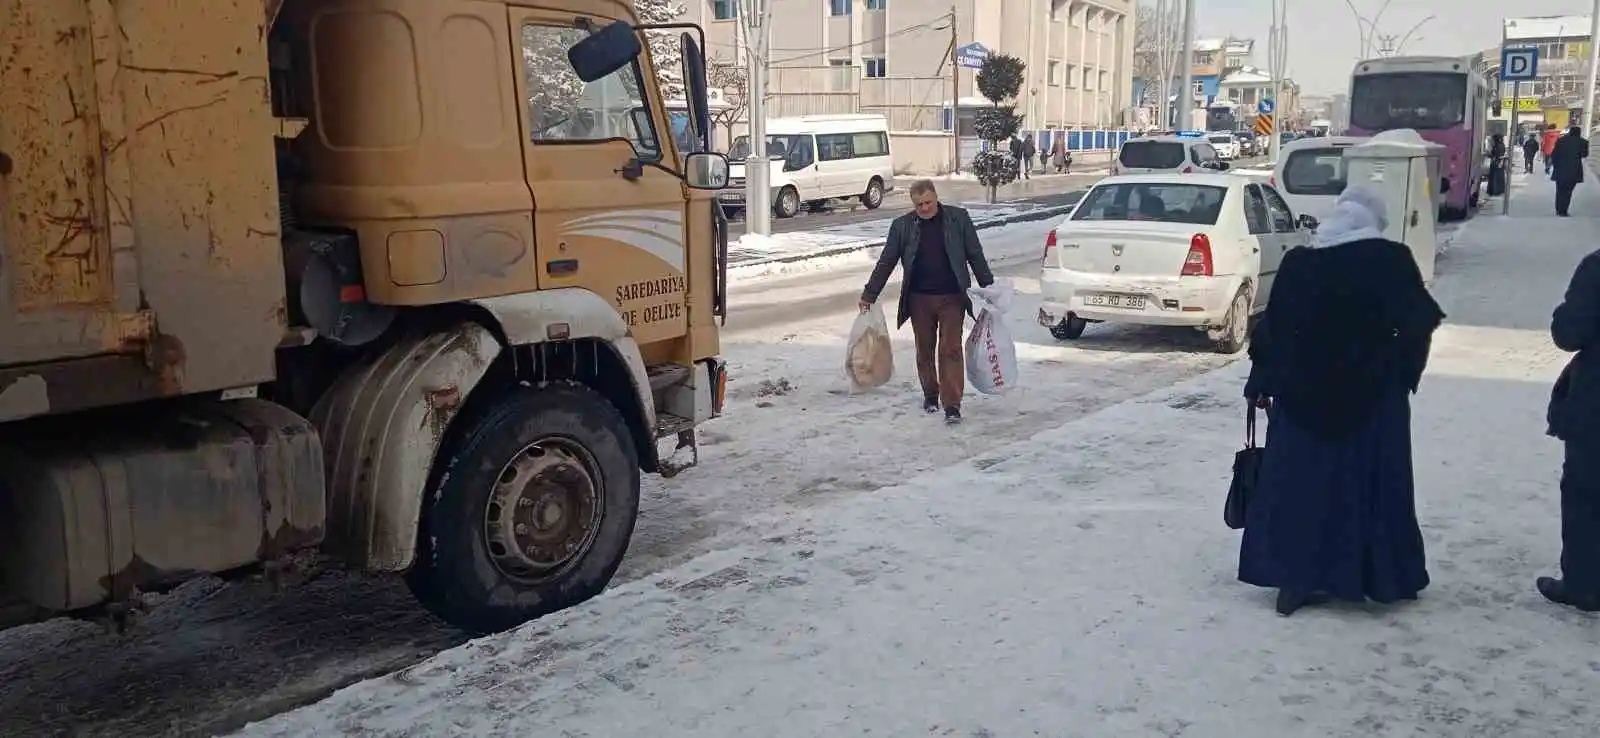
[(731, 78), (1158, 47)]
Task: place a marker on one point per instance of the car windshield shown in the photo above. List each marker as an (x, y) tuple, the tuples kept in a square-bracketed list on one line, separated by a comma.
[(1155, 202), (1151, 155), (1314, 172), (1221, 139), (778, 147)]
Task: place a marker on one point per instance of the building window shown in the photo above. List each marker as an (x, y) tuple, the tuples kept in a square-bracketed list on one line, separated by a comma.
[(840, 7), (1057, 8), (877, 4), (876, 68), (841, 73), (1105, 81), (1088, 78), (724, 9), (1053, 73), (1072, 75), (1199, 89)]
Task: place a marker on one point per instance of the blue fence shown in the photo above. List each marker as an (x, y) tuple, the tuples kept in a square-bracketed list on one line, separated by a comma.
[(1102, 140)]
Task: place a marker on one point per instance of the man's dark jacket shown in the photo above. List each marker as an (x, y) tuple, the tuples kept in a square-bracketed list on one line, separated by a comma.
[(1566, 160), (1574, 412), (960, 244)]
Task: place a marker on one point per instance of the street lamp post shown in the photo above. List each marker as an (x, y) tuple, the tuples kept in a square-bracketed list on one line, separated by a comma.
[(1186, 93), (1277, 49), (1594, 68), (756, 15)]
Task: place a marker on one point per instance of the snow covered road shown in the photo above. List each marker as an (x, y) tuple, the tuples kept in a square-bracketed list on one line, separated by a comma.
[(216, 655), (1076, 582)]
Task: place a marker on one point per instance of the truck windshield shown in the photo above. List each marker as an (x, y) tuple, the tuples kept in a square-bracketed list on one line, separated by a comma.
[(1160, 203), (1417, 100), (563, 108)]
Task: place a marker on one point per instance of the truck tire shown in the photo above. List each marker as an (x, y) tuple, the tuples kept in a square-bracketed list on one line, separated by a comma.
[(531, 509)]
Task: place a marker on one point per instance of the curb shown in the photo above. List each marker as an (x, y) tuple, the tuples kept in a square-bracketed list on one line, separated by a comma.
[(985, 224)]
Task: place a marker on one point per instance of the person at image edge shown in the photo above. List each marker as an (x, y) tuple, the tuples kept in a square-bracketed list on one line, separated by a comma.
[(936, 245)]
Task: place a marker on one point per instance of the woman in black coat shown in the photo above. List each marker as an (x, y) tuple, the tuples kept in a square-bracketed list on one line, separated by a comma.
[(1341, 348)]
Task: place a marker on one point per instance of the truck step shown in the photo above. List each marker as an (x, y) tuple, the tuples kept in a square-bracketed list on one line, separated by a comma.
[(663, 376), (668, 424)]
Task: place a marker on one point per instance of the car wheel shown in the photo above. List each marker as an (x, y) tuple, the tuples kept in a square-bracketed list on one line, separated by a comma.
[(788, 203), (1235, 331), (1070, 328), (873, 197)]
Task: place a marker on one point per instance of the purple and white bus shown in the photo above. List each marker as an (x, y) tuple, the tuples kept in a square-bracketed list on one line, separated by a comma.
[(1445, 100)]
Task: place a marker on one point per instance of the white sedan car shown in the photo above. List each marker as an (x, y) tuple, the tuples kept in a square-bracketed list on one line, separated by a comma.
[(1226, 145), (1191, 250)]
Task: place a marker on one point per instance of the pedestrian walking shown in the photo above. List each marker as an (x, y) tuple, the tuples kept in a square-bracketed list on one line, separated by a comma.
[(1498, 163), (1530, 148), (1016, 156), (1342, 346), (935, 245), (1566, 167), (1028, 150), (1058, 154), (1547, 145), (1574, 418)]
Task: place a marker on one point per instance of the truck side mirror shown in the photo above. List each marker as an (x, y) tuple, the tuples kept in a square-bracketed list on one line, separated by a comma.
[(694, 78), (705, 170), (604, 51)]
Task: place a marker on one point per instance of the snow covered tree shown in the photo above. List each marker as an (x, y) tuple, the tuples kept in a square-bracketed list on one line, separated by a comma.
[(999, 80), (554, 91), (731, 78), (666, 47)]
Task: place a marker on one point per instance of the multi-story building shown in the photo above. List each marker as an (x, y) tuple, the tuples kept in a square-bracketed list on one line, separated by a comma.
[(1248, 86), (1215, 59), (894, 57), (1564, 49)]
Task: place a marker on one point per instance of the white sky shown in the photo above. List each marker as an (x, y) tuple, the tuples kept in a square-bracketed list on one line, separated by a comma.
[(1324, 43)]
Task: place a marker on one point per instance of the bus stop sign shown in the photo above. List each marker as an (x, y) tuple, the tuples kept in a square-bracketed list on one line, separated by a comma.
[(1519, 64)]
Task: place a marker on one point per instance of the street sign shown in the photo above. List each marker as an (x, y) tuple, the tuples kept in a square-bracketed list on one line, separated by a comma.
[(1264, 124), (1265, 106), (1519, 63), (972, 56)]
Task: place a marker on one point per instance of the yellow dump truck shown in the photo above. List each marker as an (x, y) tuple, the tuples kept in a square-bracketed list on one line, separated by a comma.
[(420, 282)]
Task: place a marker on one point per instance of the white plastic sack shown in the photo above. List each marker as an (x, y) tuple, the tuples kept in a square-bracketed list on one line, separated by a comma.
[(869, 360), (991, 354)]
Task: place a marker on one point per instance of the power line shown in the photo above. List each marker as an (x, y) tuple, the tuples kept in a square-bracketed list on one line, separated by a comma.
[(908, 29)]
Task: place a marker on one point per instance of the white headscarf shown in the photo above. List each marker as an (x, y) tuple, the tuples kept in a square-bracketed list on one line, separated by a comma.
[(1358, 215)]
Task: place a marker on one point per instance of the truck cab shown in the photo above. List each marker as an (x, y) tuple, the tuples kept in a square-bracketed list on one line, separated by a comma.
[(418, 282)]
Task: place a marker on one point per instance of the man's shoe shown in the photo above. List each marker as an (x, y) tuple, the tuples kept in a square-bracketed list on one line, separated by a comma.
[(930, 404), (1556, 590), (952, 415)]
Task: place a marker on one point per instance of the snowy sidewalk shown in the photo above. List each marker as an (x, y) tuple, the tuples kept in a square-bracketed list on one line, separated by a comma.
[(1081, 583)]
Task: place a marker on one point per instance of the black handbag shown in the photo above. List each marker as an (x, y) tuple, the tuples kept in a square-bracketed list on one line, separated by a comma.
[(1246, 470)]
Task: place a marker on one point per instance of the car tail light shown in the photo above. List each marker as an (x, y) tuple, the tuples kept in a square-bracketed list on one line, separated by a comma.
[(1187, 169), (1198, 263), (1049, 246)]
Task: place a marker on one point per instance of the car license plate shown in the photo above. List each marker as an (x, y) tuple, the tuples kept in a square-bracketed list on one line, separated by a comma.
[(1126, 302)]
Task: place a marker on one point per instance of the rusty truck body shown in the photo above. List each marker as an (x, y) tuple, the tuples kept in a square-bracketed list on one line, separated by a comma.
[(420, 282)]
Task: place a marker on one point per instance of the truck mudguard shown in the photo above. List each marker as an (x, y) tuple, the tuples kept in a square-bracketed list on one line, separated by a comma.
[(383, 422)]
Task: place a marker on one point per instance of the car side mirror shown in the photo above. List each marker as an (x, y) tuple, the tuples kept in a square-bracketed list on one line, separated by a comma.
[(1308, 222), (705, 170)]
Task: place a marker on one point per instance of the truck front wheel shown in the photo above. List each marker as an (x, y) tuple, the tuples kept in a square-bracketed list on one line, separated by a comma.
[(531, 512)]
